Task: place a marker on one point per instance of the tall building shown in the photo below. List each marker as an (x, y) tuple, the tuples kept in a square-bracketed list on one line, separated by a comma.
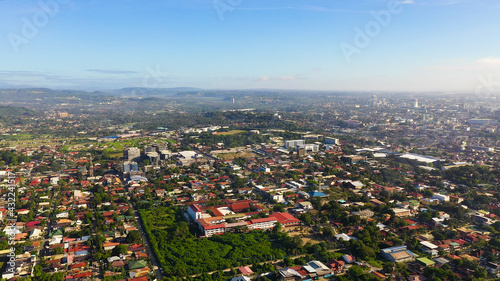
[(375, 102), (132, 153), (294, 143), (332, 141), (149, 148), (130, 167)]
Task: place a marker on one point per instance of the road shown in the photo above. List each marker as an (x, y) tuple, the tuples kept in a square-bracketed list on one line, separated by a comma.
[(156, 266)]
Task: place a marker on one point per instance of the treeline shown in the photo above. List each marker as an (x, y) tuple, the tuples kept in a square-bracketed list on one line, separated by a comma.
[(12, 158)]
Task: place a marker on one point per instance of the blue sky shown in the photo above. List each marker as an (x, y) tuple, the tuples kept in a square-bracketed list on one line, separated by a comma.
[(419, 45)]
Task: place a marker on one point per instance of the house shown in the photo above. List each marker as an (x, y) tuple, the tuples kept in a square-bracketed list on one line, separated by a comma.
[(336, 266), (133, 265), (23, 212), (118, 264), (493, 268), (401, 213), (441, 197), (289, 274), (35, 234), (245, 270), (317, 268), (109, 246), (429, 248), (306, 205), (343, 237), (317, 194), (348, 258)]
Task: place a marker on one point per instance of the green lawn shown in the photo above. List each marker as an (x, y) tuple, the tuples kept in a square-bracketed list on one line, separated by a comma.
[(233, 132)]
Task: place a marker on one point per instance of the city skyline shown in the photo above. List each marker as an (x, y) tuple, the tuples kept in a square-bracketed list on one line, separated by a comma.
[(407, 45)]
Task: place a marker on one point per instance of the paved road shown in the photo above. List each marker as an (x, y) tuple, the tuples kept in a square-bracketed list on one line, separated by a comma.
[(156, 265)]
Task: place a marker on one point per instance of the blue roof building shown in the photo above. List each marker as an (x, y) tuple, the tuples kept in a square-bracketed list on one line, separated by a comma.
[(317, 194)]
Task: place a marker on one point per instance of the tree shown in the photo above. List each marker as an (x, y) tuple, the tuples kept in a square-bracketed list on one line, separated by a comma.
[(427, 193), (120, 249), (328, 231), (277, 227), (306, 218), (134, 237), (58, 250)]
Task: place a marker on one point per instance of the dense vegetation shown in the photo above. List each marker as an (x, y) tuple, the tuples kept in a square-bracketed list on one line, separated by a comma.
[(472, 175), (180, 253)]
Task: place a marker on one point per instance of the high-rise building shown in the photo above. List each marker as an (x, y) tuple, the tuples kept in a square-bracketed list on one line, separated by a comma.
[(130, 167), (132, 153), (294, 143)]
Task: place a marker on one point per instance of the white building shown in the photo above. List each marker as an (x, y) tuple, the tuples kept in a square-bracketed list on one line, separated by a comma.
[(62, 215), (294, 143), (310, 147), (35, 234), (441, 197), (264, 223), (194, 212), (211, 230)]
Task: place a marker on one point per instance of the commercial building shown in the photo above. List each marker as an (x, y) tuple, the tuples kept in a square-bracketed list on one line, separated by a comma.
[(294, 143), (132, 153), (332, 141), (130, 166), (398, 254)]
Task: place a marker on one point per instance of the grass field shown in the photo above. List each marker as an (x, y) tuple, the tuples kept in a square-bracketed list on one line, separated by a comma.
[(17, 137), (233, 132)]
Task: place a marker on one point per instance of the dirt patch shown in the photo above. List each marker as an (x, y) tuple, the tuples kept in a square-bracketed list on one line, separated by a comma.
[(233, 155), (307, 236)]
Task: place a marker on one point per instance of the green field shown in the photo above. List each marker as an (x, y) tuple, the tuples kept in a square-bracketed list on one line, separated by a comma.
[(233, 132)]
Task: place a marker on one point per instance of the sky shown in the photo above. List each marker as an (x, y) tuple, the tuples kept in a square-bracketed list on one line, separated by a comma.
[(361, 45)]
